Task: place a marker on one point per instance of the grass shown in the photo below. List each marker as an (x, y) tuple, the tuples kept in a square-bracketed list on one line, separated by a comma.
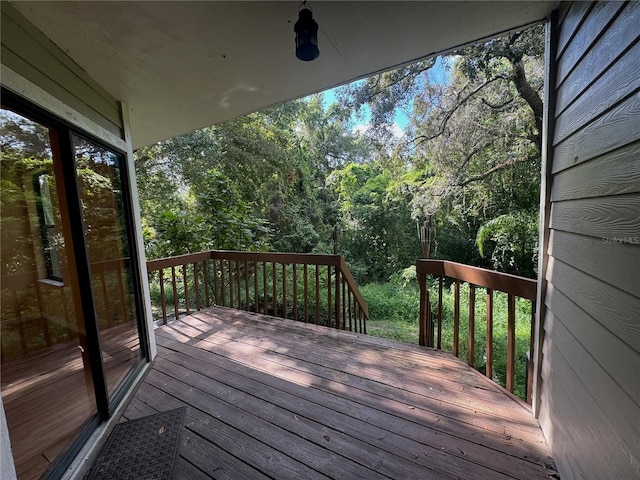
[(393, 308)]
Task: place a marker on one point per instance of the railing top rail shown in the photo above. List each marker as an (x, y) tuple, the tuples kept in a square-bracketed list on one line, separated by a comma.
[(278, 257), (153, 265), (482, 277)]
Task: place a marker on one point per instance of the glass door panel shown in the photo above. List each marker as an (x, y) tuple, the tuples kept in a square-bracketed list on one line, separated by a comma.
[(99, 173), (46, 379)]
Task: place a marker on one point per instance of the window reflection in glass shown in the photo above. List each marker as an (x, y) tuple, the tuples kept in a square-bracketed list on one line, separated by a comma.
[(100, 183)]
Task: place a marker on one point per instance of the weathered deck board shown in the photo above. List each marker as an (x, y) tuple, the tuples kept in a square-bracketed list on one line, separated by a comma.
[(273, 398)]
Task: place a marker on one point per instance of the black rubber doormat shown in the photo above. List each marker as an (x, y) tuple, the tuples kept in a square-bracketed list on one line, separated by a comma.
[(142, 449)]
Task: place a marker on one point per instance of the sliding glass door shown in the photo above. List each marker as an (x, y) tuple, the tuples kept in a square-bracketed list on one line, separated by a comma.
[(99, 176), (70, 311)]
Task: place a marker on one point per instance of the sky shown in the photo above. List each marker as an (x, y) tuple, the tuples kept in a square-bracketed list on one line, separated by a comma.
[(437, 74)]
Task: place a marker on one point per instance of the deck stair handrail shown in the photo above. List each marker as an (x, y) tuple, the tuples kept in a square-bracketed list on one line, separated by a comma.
[(514, 286), (306, 287)]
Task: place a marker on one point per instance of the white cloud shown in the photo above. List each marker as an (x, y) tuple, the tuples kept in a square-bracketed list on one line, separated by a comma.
[(361, 128), (395, 129)]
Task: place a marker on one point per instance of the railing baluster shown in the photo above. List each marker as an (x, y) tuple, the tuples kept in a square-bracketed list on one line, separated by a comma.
[(343, 322), (306, 293), (185, 281), (71, 332), (295, 291), (223, 290), (175, 293), (489, 349), (511, 340), (350, 311), (329, 322), (216, 290), (317, 294), (196, 285), (264, 286), (247, 306), (256, 297), (205, 276), (105, 299), (284, 290), (456, 317), (274, 278), (123, 307), (471, 339), (162, 299), (232, 298), (238, 286), (337, 297)]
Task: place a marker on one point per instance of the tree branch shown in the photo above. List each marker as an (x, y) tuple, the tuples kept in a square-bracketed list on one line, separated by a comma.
[(491, 171), (494, 106), (420, 139)]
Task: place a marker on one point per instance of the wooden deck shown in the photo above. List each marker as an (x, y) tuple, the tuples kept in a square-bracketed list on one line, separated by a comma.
[(274, 398)]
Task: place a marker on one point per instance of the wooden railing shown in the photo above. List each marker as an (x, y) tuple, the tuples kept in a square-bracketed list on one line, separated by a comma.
[(431, 320), (305, 287)]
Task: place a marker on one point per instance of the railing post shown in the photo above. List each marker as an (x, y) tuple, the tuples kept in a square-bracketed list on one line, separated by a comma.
[(440, 281)]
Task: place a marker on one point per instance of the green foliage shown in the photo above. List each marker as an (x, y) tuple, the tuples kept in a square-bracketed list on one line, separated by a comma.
[(513, 239), (375, 221)]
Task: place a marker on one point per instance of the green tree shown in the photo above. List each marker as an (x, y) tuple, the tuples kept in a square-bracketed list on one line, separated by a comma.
[(375, 219), (473, 145)]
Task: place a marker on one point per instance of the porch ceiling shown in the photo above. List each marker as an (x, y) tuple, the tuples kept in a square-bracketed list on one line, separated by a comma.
[(185, 65)]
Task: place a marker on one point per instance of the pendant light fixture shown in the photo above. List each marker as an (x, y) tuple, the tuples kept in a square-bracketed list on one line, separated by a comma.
[(306, 30)]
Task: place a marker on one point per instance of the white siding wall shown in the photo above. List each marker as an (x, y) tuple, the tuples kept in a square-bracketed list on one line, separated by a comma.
[(589, 389), (27, 52)]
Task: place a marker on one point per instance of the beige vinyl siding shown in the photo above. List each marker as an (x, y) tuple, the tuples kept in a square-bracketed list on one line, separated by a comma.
[(30, 54), (590, 388)]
